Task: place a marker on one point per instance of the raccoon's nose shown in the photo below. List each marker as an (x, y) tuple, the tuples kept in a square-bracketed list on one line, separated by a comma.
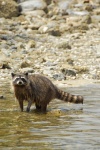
[(20, 83)]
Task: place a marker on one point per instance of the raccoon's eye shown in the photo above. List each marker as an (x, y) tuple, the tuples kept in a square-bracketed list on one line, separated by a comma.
[(23, 79), (15, 79)]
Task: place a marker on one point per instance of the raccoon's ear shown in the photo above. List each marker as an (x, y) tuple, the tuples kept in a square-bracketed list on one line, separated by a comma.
[(13, 74), (26, 74)]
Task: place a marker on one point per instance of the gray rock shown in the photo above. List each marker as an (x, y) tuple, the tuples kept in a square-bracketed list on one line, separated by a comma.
[(24, 64), (69, 72), (31, 5), (27, 69), (64, 45), (54, 32), (96, 18), (8, 9), (5, 66), (59, 77), (34, 13)]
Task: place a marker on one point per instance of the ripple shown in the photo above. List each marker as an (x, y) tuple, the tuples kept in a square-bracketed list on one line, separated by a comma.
[(62, 127)]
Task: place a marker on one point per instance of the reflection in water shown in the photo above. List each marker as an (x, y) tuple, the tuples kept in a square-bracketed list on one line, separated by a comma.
[(62, 127)]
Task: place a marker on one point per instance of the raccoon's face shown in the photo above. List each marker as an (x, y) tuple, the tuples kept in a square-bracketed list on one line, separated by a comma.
[(19, 79)]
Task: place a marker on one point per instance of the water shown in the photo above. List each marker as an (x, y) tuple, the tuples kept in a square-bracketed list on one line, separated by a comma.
[(63, 127)]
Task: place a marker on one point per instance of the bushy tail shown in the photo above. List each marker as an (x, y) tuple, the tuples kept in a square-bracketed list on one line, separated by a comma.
[(69, 97)]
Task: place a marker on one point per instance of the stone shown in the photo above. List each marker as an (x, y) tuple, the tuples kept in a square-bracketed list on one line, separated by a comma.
[(81, 69), (27, 69), (59, 76), (34, 13), (48, 43), (96, 19), (5, 66), (69, 72), (31, 5), (8, 9), (89, 8), (54, 32), (24, 64), (43, 29), (86, 19), (64, 45), (48, 2), (31, 44), (81, 26)]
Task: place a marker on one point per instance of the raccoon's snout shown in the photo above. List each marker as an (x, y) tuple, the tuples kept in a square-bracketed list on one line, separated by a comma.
[(20, 83)]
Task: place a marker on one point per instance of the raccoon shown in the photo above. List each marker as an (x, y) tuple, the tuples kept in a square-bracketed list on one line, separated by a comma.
[(39, 90)]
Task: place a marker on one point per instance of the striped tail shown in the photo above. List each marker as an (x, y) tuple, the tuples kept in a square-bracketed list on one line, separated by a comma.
[(68, 97)]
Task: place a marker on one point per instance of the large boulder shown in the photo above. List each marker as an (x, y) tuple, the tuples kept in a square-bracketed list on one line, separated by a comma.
[(8, 9), (30, 5)]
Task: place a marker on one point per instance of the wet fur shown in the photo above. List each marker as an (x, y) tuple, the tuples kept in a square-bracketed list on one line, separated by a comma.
[(40, 90)]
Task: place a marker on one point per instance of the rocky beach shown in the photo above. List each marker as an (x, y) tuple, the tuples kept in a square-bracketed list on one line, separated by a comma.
[(59, 39)]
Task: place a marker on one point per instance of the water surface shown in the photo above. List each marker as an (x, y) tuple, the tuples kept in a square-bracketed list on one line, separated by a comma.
[(63, 127)]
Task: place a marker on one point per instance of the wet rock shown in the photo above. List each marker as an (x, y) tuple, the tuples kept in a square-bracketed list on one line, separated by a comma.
[(69, 72), (56, 113), (8, 9), (59, 76)]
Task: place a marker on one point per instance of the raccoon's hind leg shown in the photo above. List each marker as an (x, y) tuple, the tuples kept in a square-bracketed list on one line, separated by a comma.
[(29, 105), (43, 108), (37, 107)]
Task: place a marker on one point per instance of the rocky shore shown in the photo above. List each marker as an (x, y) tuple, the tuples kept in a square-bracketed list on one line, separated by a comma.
[(59, 39)]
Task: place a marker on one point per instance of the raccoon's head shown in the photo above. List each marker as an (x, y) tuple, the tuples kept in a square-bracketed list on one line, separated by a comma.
[(19, 79)]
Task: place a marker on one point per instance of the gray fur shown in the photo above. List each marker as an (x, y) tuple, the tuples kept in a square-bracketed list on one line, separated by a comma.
[(39, 90)]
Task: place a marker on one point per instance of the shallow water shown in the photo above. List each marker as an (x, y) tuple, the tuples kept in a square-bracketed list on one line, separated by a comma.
[(63, 127)]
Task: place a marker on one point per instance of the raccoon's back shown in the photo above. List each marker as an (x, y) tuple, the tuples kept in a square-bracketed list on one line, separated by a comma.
[(42, 86)]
